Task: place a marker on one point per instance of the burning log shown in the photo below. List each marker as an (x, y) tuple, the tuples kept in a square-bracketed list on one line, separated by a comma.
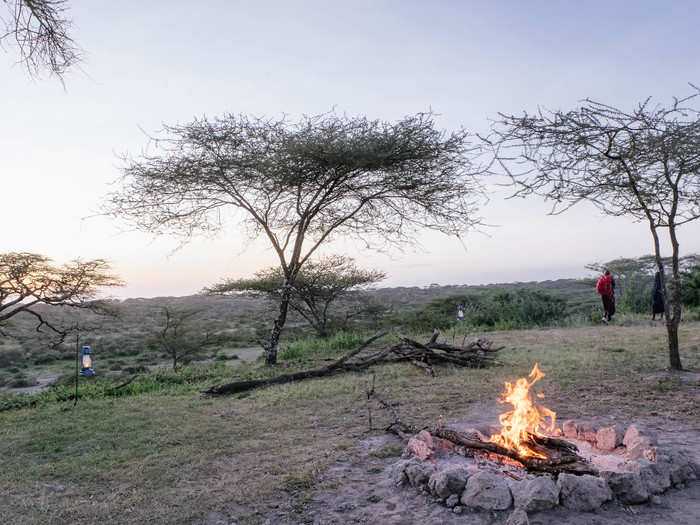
[(424, 356), (520, 438), (560, 455)]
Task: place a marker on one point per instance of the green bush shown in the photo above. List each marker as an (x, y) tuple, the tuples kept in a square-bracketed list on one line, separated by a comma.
[(313, 346), (691, 288), (491, 308), (635, 296), (10, 357), (21, 380)]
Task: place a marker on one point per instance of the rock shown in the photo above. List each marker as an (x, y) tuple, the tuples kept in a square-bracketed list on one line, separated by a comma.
[(655, 500), (628, 487), (569, 428), (419, 473), (447, 482), (420, 448), (583, 493), (518, 517), (656, 476), (534, 495), (458, 509), (680, 467), (452, 500), (642, 448), (587, 432), (634, 432), (609, 438), (398, 472), (425, 436), (488, 491), (443, 446), (640, 443)]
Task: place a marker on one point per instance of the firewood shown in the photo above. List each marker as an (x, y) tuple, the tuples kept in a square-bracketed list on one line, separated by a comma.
[(561, 455)]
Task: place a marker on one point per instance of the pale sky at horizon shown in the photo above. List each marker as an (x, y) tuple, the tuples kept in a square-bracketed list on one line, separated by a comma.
[(167, 62)]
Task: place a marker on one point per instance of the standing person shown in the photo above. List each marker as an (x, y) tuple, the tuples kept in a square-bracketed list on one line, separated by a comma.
[(606, 289), (657, 297)]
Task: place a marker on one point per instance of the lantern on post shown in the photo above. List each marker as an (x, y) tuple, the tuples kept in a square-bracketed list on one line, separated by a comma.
[(460, 313), (86, 369)]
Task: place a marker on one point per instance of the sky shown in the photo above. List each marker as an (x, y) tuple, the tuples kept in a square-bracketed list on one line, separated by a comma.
[(165, 62)]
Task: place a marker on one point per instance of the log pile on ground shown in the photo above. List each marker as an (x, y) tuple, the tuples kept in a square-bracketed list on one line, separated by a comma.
[(476, 354)]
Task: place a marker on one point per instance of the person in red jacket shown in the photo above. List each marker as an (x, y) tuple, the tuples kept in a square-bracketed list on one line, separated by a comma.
[(606, 289)]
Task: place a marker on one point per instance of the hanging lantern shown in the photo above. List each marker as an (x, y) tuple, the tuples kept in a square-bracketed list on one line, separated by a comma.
[(87, 362), (460, 313)]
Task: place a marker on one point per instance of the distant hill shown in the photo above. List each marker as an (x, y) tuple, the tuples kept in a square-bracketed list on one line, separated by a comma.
[(243, 320)]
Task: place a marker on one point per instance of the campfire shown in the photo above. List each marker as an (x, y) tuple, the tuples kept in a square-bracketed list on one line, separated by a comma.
[(525, 420), (531, 463)]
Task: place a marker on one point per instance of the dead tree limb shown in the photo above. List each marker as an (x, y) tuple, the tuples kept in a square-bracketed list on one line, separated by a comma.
[(424, 356), (334, 367)]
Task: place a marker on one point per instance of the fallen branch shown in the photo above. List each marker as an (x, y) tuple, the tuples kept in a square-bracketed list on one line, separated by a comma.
[(424, 356), (334, 367)]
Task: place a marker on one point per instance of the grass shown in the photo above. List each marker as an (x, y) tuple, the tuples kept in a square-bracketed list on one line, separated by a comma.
[(160, 451), (313, 347)]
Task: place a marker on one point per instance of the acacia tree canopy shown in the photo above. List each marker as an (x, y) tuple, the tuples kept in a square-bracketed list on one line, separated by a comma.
[(41, 32), (302, 183), (643, 163), (178, 337), (28, 280), (318, 285)]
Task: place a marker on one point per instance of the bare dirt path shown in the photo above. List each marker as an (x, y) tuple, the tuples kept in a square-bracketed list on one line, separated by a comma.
[(44, 382)]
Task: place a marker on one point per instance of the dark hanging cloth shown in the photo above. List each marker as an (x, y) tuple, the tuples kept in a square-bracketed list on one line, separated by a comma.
[(608, 305), (657, 298)]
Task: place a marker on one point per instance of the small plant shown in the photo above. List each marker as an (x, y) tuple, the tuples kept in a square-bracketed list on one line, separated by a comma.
[(387, 451), (314, 346)]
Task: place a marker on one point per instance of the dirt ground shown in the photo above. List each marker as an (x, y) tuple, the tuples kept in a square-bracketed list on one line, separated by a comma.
[(360, 490)]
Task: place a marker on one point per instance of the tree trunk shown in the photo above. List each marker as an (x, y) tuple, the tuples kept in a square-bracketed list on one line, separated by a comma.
[(672, 305), (673, 321), (673, 353), (273, 343)]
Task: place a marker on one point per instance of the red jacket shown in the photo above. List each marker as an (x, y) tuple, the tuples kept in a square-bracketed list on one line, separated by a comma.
[(605, 286)]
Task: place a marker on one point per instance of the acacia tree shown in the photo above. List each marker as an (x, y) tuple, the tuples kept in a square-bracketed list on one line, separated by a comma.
[(41, 32), (301, 184), (644, 164), (178, 338), (318, 285), (28, 280)]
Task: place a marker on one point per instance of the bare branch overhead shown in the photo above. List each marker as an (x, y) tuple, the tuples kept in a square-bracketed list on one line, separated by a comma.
[(41, 32)]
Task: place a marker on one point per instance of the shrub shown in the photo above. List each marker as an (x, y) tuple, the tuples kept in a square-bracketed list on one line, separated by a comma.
[(691, 288), (11, 356), (313, 346), (21, 380), (635, 297), (492, 308)]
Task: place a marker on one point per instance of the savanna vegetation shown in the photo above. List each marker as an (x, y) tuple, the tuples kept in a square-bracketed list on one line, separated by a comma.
[(141, 335)]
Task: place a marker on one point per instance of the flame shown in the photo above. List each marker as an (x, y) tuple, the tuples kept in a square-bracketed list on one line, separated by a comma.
[(525, 418)]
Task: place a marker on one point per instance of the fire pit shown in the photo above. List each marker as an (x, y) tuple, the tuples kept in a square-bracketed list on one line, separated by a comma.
[(531, 464)]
